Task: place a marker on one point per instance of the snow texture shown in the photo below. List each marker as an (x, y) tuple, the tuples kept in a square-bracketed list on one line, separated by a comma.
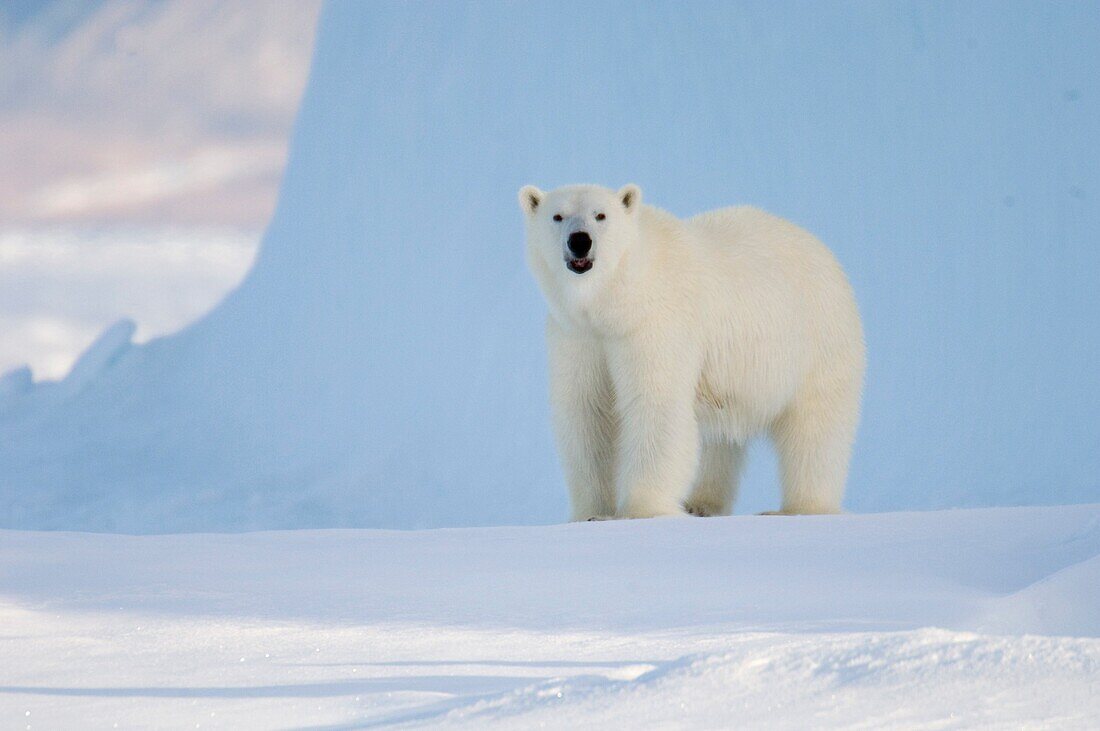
[(953, 619), (383, 365), (60, 285)]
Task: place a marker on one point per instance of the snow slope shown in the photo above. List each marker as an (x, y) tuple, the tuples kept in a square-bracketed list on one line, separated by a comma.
[(382, 365), (964, 618)]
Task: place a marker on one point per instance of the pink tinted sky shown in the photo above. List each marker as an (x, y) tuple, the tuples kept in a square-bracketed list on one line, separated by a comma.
[(141, 148), (147, 111)]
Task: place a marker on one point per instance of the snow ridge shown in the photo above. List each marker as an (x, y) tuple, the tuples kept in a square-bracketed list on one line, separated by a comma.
[(969, 618)]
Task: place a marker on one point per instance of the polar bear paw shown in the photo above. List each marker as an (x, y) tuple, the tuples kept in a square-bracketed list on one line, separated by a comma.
[(814, 510), (702, 509)]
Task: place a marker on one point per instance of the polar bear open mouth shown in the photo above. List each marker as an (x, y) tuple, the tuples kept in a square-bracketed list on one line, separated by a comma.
[(578, 266)]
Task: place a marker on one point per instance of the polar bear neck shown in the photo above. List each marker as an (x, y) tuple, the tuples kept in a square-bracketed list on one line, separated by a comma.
[(652, 271), (654, 265)]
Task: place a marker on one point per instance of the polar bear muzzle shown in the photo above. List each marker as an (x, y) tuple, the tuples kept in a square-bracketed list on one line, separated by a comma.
[(578, 266), (579, 245)]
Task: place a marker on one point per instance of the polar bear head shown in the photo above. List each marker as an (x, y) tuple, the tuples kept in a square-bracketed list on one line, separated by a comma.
[(579, 231)]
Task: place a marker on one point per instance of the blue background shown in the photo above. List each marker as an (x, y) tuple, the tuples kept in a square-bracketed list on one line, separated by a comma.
[(383, 364)]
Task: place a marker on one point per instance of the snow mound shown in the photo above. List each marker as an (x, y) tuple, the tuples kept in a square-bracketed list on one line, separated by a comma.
[(1063, 603), (382, 364), (100, 355), (14, 382), (904, 680), (887, 621)]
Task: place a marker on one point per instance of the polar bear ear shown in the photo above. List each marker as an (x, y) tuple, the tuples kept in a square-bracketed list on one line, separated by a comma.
[(631, 197), (529, 199)]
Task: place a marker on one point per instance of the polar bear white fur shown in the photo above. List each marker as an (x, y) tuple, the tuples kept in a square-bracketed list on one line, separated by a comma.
[(673, 342)]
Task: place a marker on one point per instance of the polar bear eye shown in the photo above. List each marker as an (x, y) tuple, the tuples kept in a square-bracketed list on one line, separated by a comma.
[(600, 216), (557, 216)]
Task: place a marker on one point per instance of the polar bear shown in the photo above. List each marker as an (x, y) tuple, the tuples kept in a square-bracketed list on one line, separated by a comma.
[(673, 342)]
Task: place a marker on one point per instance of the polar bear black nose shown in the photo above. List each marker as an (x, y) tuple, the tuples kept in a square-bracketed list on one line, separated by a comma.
[(580, 243)]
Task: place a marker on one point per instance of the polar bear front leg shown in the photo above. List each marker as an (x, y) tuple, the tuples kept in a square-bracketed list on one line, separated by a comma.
[(716, 484), (659, 438), (584, 422)]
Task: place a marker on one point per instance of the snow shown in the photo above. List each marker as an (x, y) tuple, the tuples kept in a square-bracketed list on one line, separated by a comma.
[(100, 355), (904, 620), (61, 285), (16, 381), (382, 364)]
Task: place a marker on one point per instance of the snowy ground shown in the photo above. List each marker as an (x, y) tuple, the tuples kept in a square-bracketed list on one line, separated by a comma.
[(969, 618)]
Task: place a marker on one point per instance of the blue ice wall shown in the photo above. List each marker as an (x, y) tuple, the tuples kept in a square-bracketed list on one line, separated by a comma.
[(947, 152), (383, 364)]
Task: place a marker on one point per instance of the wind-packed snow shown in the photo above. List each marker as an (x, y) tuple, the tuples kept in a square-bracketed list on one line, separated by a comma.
[(954, 619), (383, 363)]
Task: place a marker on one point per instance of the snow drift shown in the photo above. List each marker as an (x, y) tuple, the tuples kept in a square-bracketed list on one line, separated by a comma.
[(925, 620), (382, 365)]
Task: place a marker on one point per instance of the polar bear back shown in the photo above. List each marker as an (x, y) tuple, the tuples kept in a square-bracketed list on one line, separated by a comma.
[(775, 311)]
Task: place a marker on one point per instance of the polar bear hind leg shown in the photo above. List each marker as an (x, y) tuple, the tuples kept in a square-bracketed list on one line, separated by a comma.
[(813, 438)]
